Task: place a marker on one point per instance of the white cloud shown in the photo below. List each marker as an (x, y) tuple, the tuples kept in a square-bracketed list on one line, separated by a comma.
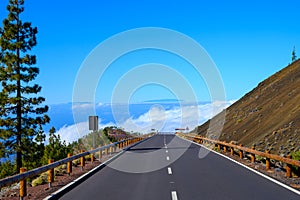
[(84, 106), (79, 106)]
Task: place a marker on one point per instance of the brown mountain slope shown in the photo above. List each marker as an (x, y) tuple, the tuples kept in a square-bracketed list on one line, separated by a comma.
[(268, 116)]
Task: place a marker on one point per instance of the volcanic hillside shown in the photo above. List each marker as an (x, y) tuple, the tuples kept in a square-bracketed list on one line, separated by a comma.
[(268, 116)]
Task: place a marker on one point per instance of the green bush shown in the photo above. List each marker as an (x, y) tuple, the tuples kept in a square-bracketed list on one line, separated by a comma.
[(239, 120), (60, 170), (42, 179), (296, 156), (76, 162)]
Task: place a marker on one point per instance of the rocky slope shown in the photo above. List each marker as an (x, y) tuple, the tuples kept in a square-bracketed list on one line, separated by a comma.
[(268, 116)]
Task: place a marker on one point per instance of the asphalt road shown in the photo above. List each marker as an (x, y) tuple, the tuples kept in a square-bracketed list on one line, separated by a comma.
[(167, 167)]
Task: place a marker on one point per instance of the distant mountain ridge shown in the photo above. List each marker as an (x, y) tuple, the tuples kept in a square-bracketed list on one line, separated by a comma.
[(163, 101), (268, 116)]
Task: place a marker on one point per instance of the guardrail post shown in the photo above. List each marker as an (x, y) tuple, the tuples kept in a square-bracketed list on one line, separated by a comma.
[(92, 156), (267, 160), (82, 160), (118, 145), (115, 148), (231, 151), (106, 151), (69, 165), (225, 149), (23, 190), (100, 153), (194, 140), (252, 155), (241, 152), (110, 150), (288, 168), (50, 173)]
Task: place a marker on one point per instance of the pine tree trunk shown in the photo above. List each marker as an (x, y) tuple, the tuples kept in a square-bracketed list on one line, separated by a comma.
[(19, 123), (19, 107), (19, 128)]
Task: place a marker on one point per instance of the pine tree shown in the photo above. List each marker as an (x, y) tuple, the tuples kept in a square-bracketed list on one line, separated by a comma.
[(294, 57), (22, 112), (56, 149)]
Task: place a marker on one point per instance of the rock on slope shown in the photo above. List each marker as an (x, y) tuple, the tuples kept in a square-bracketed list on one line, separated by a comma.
[(268, 116)]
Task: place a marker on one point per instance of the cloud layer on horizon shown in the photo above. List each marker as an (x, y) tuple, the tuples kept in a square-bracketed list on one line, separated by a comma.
[(161, 117)]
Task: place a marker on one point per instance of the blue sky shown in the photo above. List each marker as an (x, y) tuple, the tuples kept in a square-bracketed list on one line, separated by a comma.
[(248, 41)]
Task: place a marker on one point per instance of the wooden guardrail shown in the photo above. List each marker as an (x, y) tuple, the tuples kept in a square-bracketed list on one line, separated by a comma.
[(222, 145), (50, 167)]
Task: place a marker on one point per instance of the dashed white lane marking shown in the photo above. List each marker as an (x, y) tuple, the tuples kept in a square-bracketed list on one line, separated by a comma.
[(174, 195), (168, 158), (167, 151), (169, 170)]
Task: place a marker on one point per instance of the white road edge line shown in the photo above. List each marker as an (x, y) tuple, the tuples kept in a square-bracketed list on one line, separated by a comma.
[(174, 195), (168, 158), (169, 171), (249, 168)]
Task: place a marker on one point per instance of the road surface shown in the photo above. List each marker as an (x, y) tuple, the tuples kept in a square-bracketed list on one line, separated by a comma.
[(167, 167)]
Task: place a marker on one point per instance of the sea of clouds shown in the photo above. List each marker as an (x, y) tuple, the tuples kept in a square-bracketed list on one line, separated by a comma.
[(138, 117)]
